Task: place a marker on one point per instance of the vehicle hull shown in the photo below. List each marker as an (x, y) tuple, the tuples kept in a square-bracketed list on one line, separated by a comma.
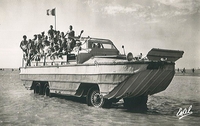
[(115, 80)]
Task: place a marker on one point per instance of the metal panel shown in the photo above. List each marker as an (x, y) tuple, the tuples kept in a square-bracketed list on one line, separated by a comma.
[(164, 54), (143, 83)]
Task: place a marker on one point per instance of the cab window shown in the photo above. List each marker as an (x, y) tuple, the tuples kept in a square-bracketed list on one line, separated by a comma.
[(108, 46)]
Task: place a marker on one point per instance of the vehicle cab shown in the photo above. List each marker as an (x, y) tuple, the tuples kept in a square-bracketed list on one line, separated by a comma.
[(95, 47)]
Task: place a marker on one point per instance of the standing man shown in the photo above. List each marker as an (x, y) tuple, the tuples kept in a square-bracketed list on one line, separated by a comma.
[(31, 51), (35, 39), (43, 35), (24, 46), (70, 33), (70, 37), (51, 31)]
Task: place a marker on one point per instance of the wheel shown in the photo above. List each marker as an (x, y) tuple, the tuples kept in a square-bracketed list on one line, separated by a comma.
[(94, 98), (47, 91), (38, 89)]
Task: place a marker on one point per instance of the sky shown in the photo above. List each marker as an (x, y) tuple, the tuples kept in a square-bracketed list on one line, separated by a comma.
[(139, 25)]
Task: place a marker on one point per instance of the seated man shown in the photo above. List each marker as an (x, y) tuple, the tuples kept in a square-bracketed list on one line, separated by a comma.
[(31, 51), (77, 48), (139, 57), (98, 45), (93, 45), (39, 49), (56, 54), (51, 50), (64, 46), (46, 46)]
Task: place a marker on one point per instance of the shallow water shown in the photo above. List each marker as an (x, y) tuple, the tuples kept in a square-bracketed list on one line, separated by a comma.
[(19, 106)]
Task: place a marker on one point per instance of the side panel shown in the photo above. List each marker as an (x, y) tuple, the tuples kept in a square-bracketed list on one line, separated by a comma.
[(64, 88), (147, 82), (109, 79), (106, 88), (101, 74)]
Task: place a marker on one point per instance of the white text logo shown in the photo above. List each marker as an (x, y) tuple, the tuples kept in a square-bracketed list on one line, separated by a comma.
[(184, 112)]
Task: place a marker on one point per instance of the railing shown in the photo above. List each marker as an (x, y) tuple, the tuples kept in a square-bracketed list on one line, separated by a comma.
[(46, 61)]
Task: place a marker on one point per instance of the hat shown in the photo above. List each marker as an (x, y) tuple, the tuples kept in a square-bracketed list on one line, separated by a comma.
[(78, 42)]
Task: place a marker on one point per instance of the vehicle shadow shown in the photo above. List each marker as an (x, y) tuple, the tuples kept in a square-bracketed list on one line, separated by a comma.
[(81, 100), (118, 105)]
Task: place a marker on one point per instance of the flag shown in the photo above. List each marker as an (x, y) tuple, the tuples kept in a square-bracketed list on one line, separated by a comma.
[(51, 12)]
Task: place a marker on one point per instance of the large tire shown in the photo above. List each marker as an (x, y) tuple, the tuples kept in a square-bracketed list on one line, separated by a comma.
[(94, 98), (136, 104), (47, 91), (38, 89)]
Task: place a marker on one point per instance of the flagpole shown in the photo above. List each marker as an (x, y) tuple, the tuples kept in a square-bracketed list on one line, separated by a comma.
[(55, 18)]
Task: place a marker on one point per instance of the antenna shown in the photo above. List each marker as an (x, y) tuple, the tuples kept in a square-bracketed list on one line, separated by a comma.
[(123, 49)]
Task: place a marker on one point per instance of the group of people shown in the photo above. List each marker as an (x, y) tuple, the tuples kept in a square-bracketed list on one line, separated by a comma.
[(53, 45)]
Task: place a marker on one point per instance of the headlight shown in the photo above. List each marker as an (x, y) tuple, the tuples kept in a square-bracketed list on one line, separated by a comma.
[(129, 56)]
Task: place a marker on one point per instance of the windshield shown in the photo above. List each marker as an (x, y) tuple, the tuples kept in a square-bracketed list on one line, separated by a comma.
[(101, 45), (108, 46)]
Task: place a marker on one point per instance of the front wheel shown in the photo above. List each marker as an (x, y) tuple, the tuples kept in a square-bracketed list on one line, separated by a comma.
[(94, 98)]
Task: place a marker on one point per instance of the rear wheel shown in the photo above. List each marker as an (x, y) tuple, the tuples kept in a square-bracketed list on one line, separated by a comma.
[(94, 98), (38, 89), (47, 91)]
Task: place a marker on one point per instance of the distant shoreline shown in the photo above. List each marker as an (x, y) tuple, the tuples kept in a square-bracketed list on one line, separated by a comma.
[(9, 69), (188, 72)]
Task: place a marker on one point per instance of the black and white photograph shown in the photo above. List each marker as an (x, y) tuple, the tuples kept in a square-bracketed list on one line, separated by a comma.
[(99, 62)]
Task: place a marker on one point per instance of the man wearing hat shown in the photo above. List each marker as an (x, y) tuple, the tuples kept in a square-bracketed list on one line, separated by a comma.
[(77, 48)]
